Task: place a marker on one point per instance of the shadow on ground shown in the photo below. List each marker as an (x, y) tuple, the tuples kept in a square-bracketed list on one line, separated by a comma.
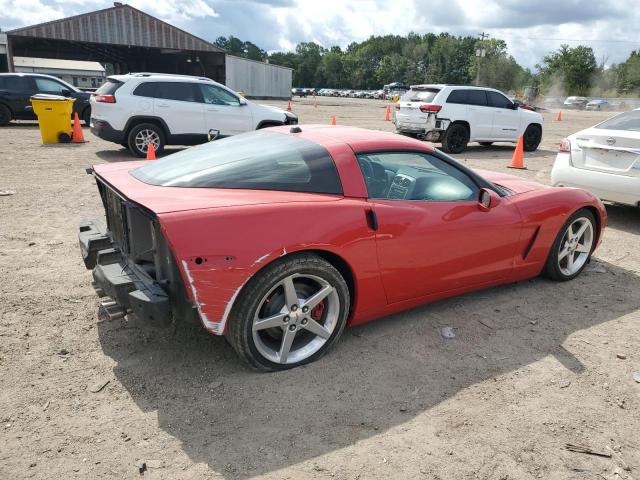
[(122, 154), (624, 218), (243, 423)]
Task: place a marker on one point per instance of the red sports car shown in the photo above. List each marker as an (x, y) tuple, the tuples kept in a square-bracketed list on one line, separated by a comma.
[(280, 238)]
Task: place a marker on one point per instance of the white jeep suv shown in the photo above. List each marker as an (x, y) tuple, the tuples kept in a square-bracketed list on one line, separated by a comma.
[(137, 109), (456, 115)]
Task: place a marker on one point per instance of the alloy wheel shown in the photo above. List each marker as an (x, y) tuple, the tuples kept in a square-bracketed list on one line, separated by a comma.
[(146, 136), (575, 246), (295, 318)]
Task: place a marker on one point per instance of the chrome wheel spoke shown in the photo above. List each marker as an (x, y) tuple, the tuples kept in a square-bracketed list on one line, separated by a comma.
[(270, 322), (570, 260), (563, 253), (317, 329), (290, 295), (581, 230), (318, 297), (582, 248), (285, 346)]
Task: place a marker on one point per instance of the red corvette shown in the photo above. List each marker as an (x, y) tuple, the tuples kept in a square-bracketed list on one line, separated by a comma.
[(280, 238)]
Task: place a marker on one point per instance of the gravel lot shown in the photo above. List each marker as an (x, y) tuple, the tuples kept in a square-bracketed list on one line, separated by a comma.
[(534, 365)]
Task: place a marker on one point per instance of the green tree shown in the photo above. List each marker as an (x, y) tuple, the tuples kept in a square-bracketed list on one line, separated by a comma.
[(573, 67)]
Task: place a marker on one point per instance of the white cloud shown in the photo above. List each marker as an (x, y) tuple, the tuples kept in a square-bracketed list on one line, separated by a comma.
[(531, 29)]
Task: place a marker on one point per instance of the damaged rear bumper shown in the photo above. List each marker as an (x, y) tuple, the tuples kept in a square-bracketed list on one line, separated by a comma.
[(129, 287)]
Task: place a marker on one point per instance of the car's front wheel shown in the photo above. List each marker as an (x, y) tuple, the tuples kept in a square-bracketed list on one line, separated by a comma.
[(289, 314), (532, 137), (144, 134), (455, 139), (572, 248)]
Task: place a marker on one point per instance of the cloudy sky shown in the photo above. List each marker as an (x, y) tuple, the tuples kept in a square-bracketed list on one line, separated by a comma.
[(531, 28)]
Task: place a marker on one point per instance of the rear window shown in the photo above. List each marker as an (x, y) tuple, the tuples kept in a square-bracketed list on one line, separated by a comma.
[(422, 95), (109, 87), (624, 121), (254, 160)]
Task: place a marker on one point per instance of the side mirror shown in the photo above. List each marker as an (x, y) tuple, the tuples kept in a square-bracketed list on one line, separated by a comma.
[(213, 134), (242, 101), (487, 199)]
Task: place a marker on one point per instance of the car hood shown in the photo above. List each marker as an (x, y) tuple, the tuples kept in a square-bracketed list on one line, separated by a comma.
[(161, 199), (511, 182)]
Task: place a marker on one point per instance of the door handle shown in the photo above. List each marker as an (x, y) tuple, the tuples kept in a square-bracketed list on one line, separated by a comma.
[(163, 105), (372, 219), (212, 110)]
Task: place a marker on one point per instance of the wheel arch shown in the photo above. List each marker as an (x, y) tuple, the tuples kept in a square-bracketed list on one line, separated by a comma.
[(138, 119)]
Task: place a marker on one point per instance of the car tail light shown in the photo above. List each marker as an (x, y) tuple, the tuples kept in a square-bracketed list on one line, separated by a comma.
[(565, 146), (430, 108), (105, 98)]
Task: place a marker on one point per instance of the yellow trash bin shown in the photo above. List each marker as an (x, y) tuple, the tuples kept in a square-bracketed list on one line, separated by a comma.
[(54, 116)]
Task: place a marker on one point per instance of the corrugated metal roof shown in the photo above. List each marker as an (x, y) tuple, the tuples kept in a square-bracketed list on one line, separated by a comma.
[(33, 62), (118, 25)]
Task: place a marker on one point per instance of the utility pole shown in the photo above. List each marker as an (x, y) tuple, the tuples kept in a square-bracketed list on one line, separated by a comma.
[(480, 52)]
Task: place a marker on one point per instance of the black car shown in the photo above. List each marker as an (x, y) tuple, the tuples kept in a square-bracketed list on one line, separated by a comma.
[(17, 88)]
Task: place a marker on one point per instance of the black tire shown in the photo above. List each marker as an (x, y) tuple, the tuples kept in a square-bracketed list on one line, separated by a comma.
[(552, 268), (252, 298), (86, 116), (141, 150), (532, 137), (455, 138), (5, 115), (486, 144)]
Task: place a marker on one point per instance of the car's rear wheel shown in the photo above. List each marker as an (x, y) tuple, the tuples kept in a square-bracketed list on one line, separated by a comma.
[(144, 134), (486, 144), (572, 248), (5, 116), (455, 139), (289, 314), (532, 137)]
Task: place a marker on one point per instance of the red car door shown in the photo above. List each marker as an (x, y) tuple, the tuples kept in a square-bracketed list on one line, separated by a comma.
[(431, 236)]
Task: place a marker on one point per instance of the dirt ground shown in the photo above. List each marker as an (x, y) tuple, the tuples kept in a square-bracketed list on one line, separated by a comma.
[(533, 366)]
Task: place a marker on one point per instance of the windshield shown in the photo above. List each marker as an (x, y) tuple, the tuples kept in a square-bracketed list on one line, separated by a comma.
[(425, 95), (254, 160), (624, 121)]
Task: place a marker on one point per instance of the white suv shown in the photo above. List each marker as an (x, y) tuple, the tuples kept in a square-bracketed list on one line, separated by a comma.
[(137, 109), (456, 115)]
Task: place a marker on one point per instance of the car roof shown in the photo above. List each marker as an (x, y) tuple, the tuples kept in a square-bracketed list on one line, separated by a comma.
[(161, 77), (359, 139)]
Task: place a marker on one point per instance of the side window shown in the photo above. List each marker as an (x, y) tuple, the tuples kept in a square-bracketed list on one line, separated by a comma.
[(18, 84), (217, 96), (498, 100), (477, 97), (49, 86), (180, 91), (414, 176), (457, 96)]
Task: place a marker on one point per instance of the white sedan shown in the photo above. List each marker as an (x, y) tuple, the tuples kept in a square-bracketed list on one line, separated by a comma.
[(604, 159)]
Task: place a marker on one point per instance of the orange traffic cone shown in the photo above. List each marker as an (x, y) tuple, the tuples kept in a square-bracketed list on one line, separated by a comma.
[(78, 136), (387, 115), (559, 116), (518, 156), (289, 106), (151, 152), (333, 120)]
